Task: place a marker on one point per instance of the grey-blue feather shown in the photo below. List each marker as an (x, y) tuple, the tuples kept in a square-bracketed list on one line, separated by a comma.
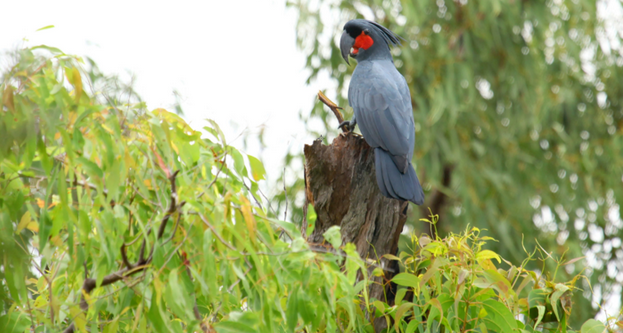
[(395, 184)]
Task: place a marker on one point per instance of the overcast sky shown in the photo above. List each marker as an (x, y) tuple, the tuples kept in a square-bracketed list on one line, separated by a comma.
[(232, 61)]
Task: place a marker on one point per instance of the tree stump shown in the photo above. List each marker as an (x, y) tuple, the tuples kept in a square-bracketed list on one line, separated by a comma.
[(341, 184)]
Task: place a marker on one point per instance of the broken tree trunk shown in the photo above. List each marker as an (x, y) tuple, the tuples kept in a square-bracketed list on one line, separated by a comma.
[(341, 184)]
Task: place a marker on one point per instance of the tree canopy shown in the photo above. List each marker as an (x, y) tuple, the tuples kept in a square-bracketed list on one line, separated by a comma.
[(518, 111), (119, 219)]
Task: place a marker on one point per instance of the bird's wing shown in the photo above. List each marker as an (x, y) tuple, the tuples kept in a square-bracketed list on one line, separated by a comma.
[(381, 100)]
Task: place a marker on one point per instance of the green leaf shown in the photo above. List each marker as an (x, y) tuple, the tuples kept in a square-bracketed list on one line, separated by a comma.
[(46, 27), (54, 50), (499, 318), (14, 322), (407, 280), (227, 326), (113, 181), (311, 219), (91, 168), (435, 311), (257, 168), (333, 236), (541, 313), (155, 318), (238, 162), (400, 312), (218, 131), (292, 310), (593, 326), (23, 222), (45, 227), (44, 157)]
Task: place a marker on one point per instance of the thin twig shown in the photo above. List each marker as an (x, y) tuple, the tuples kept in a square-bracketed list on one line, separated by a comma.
[(32, 319), (177, 223), (268, 201), (231, 288), (253, 196), (49, 288), (175, 251), (285, 192), (215, 176), (336, 109), (231, 247), (202, 324), (69, 181), (135, 239)]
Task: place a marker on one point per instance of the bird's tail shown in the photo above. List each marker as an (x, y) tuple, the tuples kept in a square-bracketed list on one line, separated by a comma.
[(393, 183)]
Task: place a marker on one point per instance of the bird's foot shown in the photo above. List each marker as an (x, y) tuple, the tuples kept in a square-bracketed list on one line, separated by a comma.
[(348, 126)]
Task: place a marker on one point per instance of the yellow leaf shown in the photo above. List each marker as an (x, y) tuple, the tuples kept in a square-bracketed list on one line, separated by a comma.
[(73, 115), (41, 302), (391, 257), (73, 76), (227, 202), (23, 222), (177, 151), (108, 129), (248, 216), (488, 254), (129, 161), (56, 240), (79, 320), (7, 98), (33, 226), (487, 264), (147, 183), (158, 287), (40, 203)]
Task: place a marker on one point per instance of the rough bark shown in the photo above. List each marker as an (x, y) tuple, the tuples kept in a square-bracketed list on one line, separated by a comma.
[(341, 185)]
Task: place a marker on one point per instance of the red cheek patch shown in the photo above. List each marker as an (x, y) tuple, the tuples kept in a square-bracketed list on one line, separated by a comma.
[(362, 41)]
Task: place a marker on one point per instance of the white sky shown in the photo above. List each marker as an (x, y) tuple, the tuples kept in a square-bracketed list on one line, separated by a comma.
[(232, 61)]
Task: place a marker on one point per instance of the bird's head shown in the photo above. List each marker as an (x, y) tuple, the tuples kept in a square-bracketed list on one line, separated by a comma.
[(362, 38)]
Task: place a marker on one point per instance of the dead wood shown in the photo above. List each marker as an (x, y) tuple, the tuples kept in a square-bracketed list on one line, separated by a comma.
[(341, 184)]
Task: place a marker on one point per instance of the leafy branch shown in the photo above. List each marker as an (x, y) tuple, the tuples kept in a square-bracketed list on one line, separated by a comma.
[(143, 263)]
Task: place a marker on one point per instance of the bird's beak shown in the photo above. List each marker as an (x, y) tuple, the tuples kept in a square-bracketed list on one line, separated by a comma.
[(346, 43)]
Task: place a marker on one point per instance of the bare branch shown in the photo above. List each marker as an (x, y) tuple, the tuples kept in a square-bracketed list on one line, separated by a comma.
[(124, 257), (336, 109)]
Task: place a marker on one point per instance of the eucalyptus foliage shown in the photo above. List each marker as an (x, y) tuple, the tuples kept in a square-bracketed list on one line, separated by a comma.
[(148, 222), (115, 219), (519, 114)]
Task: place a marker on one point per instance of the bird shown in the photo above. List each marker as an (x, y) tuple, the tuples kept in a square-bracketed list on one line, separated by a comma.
[(381, 101)]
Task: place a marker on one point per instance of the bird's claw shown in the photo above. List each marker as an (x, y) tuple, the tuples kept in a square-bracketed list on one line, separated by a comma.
[(348, 125)]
